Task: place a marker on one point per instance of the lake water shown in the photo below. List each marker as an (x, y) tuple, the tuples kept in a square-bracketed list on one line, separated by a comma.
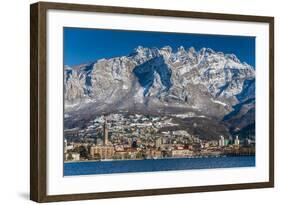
[(125, 166)]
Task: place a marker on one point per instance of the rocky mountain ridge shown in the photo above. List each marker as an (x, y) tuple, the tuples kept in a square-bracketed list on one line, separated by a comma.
[(205, 80)]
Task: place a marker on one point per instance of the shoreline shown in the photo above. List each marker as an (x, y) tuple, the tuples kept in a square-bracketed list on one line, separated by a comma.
[(169, 158)]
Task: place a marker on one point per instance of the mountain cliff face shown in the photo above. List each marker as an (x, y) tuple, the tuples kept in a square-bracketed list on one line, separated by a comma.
[(205, 82)]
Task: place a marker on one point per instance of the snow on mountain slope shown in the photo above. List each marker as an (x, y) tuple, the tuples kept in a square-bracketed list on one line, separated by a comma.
[(212, 82)]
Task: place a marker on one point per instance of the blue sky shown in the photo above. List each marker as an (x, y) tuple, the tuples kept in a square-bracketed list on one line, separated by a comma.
[(85, 45)]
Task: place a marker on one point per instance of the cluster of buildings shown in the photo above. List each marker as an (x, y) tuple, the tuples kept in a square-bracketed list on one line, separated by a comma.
[(225, 142), (140, 137)]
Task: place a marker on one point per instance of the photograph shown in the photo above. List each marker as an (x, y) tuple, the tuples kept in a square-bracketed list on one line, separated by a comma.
[(147, 101), (133, 102)]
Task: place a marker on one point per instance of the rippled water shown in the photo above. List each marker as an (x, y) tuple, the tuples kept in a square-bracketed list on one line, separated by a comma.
[(125, 166)]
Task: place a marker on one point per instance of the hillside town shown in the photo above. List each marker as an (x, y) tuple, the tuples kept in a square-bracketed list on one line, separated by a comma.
[(140, 137)]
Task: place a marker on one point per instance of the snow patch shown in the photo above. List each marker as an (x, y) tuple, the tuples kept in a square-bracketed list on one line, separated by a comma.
[(218, 102)]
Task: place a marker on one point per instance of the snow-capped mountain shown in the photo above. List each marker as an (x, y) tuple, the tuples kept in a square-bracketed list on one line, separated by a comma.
[(205, 82)]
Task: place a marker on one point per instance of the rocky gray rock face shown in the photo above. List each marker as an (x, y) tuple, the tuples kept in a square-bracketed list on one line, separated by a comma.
[(205, 82)]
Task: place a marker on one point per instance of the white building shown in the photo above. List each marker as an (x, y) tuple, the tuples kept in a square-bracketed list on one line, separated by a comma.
[(65, 146), (72, 156), (237, 141), (181, 153), (76, 156), (221, 141)]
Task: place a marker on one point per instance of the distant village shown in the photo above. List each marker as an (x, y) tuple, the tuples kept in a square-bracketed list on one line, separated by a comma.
[(139, 137)]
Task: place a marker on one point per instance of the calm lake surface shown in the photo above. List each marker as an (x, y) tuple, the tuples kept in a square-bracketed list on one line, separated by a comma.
[(125, 166)]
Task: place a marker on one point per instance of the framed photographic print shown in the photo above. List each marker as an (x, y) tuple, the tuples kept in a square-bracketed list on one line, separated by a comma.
[(134, 102)]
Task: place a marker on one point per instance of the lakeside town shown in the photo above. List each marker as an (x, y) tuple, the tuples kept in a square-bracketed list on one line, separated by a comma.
[(140, 137)]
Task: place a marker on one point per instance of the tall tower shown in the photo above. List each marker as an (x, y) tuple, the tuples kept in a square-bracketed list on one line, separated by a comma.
[(105, 132)]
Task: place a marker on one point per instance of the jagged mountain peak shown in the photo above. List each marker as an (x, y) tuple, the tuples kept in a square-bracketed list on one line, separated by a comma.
[(167, 48), (232, 57), (206, 51), (211, 81), (181, 50)]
